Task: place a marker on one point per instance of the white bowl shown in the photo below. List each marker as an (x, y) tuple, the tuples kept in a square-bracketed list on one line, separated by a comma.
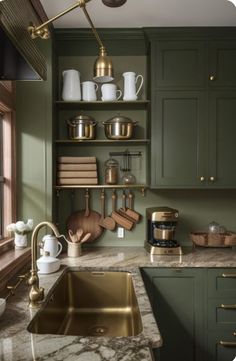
[(2, 305)]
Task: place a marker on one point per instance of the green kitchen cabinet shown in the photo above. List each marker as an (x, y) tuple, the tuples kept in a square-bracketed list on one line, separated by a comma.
[(178, 63), (193, 88), (195, 309), (194, 139), (221, 63), (221, 314), (221, 140), (178, 148), (177, 299)]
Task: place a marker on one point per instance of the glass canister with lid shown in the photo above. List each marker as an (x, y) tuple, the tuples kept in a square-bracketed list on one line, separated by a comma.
[(111, 171)]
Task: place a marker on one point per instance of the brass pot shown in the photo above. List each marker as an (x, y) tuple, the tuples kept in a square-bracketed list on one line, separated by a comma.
[(81, 127), (119, 127)]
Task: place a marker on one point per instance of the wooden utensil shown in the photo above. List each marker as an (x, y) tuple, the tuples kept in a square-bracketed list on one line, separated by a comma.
[(106, 222), (128, 212), (122, 220), (87, 220)]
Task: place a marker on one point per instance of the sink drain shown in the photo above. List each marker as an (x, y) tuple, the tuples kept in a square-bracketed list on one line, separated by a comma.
[(98, 330)]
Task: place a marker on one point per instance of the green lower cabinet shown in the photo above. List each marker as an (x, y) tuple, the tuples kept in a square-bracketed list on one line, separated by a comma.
[(177, 298), (221, 346)]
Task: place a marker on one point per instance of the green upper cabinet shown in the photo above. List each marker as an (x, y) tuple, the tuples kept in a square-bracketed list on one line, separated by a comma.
[(179, 63), (178, 152), (193, 90), (222, 60), (221, 139)]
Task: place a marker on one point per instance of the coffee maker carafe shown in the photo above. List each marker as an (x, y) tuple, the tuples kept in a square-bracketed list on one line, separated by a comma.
[(161, 225)]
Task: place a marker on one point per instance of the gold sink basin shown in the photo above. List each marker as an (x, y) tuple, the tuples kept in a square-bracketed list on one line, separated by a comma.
[(88, 303)]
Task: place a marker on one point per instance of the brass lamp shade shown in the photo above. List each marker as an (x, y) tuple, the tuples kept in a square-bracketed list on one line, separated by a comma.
[(103, 68)]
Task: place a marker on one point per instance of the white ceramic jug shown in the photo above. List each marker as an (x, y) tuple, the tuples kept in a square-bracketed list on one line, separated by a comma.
[(89, 91), (50, 244), (71, 90), (130, 81), (110, 92)]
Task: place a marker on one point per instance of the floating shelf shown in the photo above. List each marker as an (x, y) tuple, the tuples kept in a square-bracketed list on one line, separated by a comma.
[(99, 104), (101, 141)]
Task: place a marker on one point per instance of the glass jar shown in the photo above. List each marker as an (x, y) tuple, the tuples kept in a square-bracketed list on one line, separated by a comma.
[(111, 171)]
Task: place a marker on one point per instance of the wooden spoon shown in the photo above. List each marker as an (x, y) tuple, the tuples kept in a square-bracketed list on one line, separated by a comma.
[(106, 222), (73, 236)]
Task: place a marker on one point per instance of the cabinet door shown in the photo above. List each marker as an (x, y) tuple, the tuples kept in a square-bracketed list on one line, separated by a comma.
[(178, 305), (222, 130), (222, 60), (178, 63), (178, 139)]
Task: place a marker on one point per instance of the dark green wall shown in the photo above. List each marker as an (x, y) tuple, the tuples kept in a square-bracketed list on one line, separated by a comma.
[(34, 151)]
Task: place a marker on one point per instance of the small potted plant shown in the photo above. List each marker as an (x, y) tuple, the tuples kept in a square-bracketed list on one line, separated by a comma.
[(20, 230)]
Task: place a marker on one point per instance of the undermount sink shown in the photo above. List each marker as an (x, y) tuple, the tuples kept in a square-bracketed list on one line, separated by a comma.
[(90, 303)]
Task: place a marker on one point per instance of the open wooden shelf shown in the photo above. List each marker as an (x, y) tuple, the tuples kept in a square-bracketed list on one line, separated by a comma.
[(99, 104), (101, 141)]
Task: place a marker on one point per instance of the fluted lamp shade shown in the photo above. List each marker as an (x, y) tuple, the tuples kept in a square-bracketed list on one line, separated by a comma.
[(103, 68)]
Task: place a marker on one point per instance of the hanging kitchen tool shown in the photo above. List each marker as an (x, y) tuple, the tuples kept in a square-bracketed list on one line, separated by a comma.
[(106, 222), (123, 211), (86, 219), (122, 220), (130, 210)]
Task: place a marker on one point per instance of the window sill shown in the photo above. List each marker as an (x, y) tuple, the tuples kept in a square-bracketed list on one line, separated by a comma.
[(12, 261), (6, 244)]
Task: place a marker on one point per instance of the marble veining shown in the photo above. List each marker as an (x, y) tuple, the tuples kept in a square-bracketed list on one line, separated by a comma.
[(17, 344)]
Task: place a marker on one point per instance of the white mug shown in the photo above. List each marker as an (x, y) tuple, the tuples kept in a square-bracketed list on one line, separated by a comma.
[(130, 81), (51, 245), (110, 92), (89, 91), (71, 90)]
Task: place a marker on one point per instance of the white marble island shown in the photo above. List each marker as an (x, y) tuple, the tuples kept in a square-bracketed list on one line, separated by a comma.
[(16, 343)]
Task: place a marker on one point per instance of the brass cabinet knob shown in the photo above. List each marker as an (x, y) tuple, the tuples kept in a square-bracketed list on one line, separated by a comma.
[(212, 179), (202, 179), (212, 77)]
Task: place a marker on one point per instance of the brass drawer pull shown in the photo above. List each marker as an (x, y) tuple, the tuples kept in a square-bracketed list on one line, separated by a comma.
[(228, 306), (202, 179), (228, 344), (212, 77), (229, 275)]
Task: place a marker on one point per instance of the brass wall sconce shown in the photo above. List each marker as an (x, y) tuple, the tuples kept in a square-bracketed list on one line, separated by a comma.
[(103, 68)]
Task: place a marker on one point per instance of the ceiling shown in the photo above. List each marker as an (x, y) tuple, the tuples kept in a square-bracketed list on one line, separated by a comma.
[(145, 13)]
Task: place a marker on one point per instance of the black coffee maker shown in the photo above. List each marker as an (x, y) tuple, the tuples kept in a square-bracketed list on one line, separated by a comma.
[(161, 225)]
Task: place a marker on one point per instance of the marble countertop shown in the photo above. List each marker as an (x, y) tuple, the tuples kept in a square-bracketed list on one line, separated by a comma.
[(17, 344)]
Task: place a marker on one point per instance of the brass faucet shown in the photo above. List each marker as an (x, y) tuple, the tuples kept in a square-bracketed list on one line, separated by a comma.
[(37, 293)]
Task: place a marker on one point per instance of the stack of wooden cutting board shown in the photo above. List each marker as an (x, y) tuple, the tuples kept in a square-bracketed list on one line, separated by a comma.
[(76, 170)]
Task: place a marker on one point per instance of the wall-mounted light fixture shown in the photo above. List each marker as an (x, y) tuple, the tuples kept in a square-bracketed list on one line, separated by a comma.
[(103, 68)]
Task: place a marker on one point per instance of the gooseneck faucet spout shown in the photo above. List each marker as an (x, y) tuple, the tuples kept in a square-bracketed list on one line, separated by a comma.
[(37, 293)]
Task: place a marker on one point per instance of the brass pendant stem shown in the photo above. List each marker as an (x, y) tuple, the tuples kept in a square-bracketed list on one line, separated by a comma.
[(35, 30), (92, 27)]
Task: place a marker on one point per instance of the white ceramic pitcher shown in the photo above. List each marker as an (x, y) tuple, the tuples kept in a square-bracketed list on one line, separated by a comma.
[(51, 245), (89, 91), (130, 81), (71, 90)]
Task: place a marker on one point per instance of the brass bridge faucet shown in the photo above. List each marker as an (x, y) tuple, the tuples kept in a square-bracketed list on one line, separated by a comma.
[(37, 293)]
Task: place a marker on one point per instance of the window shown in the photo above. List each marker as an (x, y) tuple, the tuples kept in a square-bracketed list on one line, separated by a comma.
[(1, 178), (7, 157)]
